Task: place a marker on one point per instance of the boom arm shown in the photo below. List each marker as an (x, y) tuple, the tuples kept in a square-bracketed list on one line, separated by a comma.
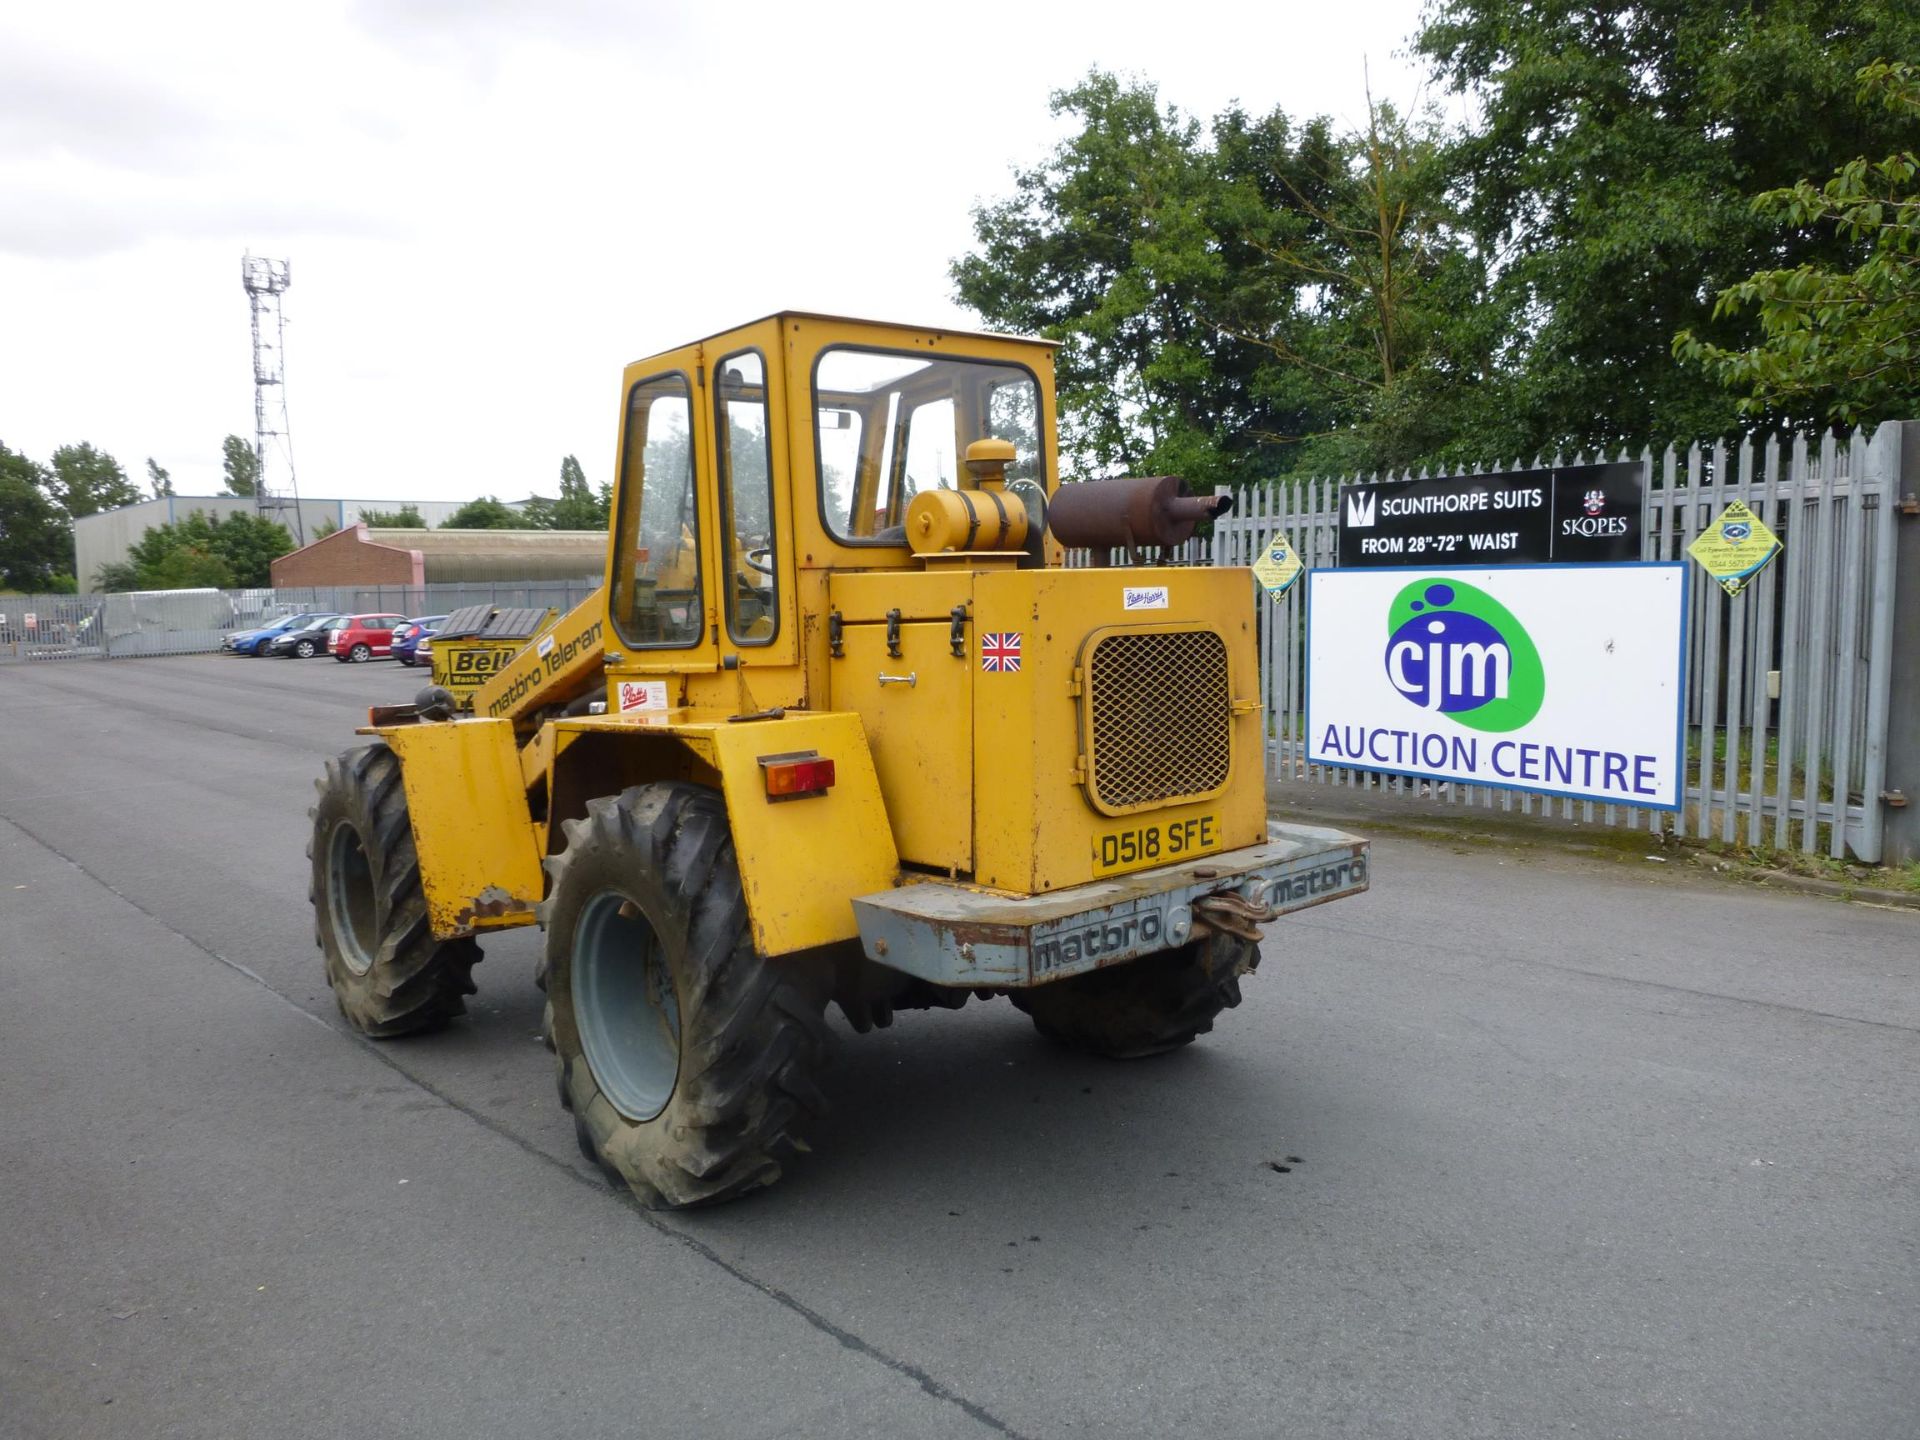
[(556, 667)]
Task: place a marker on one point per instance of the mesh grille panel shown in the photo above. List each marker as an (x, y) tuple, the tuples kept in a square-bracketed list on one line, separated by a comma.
[(1162, 716)]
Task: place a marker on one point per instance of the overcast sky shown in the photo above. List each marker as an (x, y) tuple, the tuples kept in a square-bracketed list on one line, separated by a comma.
[(491, 207)]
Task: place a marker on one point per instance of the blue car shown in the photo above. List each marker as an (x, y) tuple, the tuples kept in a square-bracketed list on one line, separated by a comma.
[(256, 641), (407, 637)]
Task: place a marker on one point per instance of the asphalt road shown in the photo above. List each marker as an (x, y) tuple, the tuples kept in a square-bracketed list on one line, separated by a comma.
[(1516, 1145)]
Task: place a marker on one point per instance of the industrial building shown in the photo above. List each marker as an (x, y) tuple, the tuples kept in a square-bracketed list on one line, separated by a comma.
[(364, 557), (106, 538)]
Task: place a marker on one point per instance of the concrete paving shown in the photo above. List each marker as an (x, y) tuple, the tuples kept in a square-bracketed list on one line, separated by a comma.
[(1519, 1144)]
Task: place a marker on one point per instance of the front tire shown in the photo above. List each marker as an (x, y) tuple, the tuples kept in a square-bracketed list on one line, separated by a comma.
[(304, 650), (686, 1057), (388, 973), (1148, 1006)]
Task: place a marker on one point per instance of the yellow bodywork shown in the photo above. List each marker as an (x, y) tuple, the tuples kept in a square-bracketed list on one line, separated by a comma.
[(950, 762)]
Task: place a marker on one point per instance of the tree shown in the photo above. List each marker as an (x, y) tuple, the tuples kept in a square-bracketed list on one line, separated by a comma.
[(36, 542), (579, 507), (486, 513), (159, 478), (86, 481), (327, 526), (116, 575), (407, 517), (1840, 345), (1607, 186), (1382, 335), (202, 550), (1237, 302), (242, 466)]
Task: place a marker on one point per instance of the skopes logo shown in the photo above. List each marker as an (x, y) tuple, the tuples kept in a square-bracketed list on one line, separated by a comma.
[(1361, 507), (1455, 649)]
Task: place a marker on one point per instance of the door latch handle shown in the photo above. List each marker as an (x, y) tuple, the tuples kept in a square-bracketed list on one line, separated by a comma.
[(909, 679), (893, 633)]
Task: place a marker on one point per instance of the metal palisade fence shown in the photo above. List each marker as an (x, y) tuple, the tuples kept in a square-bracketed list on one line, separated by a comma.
[(1787, 692), (192, 622)]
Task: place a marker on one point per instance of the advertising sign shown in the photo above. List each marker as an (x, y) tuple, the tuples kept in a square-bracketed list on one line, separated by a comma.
[(1575, 514), (1735, 547), (1278, 567), (1561, 679)]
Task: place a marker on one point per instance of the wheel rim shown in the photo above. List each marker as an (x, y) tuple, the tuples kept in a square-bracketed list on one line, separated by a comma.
[(628, 1014), (304, 649), (350, 898)]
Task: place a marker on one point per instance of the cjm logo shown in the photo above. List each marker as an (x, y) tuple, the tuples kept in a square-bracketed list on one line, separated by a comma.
[(1454, 649), (1360, 510)]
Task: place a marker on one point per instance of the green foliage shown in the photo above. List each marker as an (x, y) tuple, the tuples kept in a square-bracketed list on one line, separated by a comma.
[(579, 507), (241, 465), (159, 478), (116, 575), (200, 550), (327, 526), (486, 513), (1607, 185), (407, 517), (1840, 344), (36, 540), (1241, 301), (85, 481)]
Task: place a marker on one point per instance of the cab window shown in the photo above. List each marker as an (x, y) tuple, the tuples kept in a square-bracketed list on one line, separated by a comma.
[(746, 494), (888, 426), (656, 568)]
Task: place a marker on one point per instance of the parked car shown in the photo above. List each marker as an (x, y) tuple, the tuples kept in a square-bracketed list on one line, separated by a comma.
[(256, 640), (408, 635), (363, 637), (305, 643)]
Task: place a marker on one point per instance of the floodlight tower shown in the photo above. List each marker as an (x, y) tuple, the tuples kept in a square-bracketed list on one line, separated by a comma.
[(265, 281)]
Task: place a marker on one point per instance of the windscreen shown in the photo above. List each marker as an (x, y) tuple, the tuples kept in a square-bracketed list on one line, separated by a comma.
[(889, 426)]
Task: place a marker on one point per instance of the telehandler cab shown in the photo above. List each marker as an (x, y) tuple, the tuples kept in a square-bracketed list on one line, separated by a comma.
[(839, 727)]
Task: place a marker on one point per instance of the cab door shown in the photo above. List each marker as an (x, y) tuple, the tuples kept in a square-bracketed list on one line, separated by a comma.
[(663, 564)]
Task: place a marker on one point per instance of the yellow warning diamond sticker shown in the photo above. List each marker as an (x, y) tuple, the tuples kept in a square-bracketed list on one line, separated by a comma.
[(1278, 567), (1735, 547)]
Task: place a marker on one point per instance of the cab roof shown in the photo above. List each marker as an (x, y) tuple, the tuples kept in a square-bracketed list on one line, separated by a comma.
[(822, 317)]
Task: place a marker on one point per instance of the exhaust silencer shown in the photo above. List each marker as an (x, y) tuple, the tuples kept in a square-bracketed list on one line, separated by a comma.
[(1134, 513)]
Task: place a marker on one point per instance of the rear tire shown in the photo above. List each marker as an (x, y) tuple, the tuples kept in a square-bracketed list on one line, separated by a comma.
[(388, 973), (1148, 1006), (359, 653), (686, 1057)]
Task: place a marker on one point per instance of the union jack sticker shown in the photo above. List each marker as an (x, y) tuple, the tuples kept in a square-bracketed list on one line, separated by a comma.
[(1000, 650)]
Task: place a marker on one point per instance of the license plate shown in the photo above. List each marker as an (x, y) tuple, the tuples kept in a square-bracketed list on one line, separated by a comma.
[(1155, 842)]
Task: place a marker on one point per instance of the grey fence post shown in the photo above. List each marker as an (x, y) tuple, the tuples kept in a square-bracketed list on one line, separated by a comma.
[(1901, 836)]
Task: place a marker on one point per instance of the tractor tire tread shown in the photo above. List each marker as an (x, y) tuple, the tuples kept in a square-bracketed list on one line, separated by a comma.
[(416, 982)]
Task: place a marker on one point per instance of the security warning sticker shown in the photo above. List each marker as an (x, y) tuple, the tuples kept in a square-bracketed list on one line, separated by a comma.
[(642, 695), (1278, 567), (1735, 547)]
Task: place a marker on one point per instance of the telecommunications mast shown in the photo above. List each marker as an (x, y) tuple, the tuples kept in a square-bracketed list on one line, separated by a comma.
[(275, 494)]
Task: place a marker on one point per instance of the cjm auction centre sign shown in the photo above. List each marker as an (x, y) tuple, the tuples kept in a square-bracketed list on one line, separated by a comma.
[(1562, 679)]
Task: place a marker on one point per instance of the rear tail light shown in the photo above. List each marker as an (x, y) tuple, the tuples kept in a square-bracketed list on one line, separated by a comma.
[(793, 776)]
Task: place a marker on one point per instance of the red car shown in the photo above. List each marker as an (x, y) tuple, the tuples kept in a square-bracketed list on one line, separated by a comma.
[(362, 637)]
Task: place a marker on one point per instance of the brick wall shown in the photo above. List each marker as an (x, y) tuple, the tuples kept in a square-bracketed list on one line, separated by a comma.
[(348, 558)]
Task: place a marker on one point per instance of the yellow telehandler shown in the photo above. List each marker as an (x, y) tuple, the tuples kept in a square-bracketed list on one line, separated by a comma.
[(841, 727)]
